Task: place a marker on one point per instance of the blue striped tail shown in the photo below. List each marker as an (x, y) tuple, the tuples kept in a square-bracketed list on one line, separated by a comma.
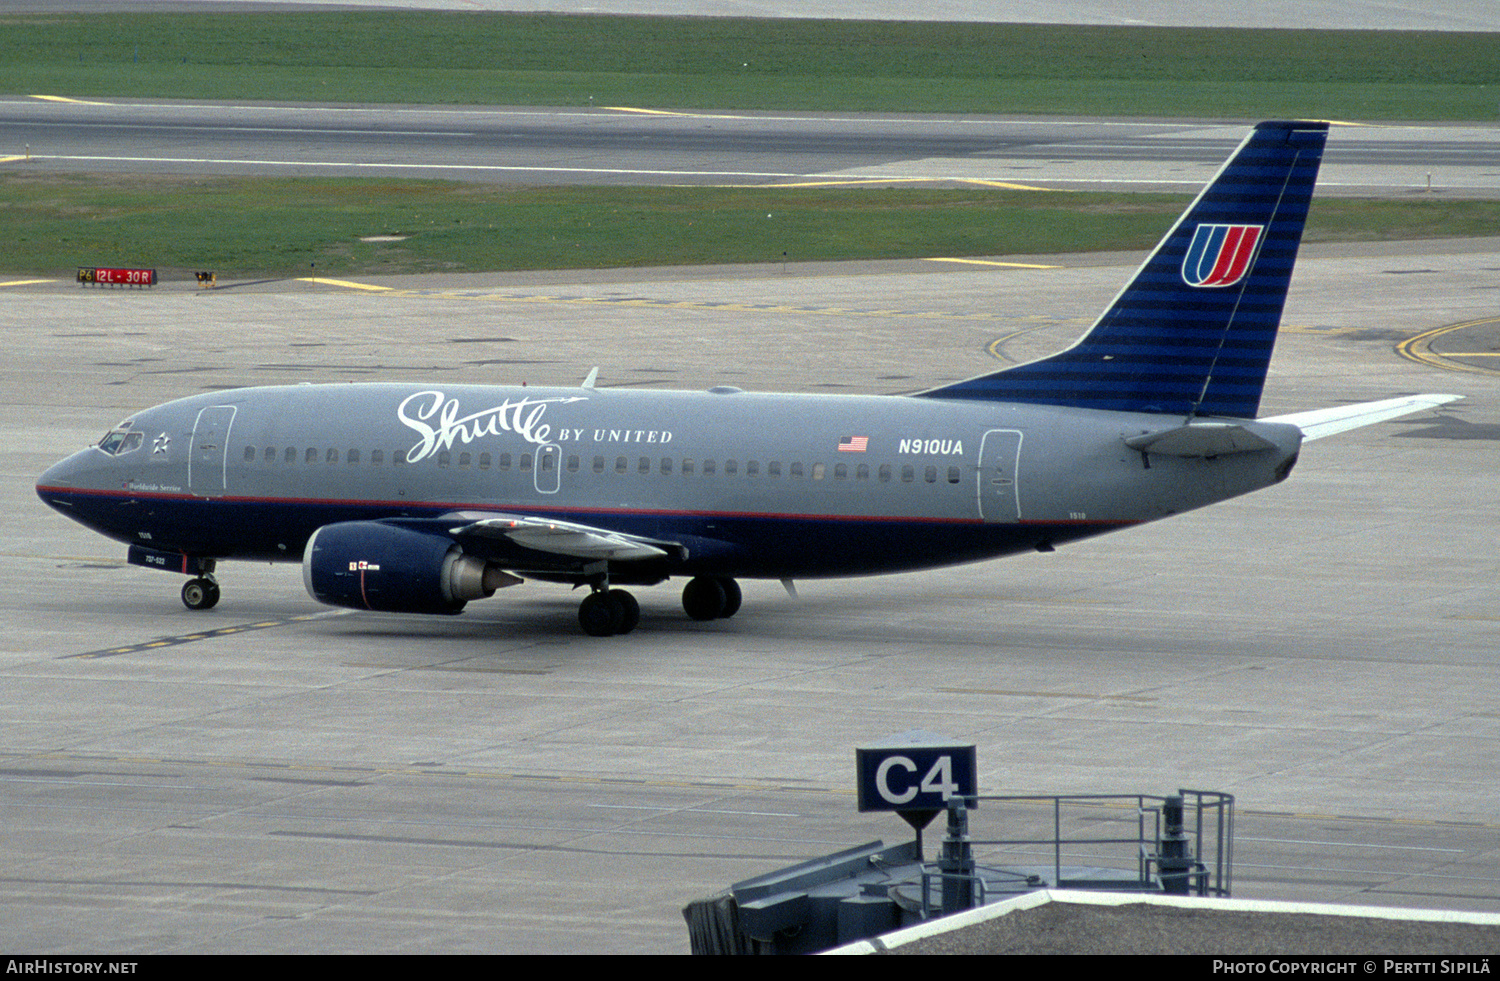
[(1192, 333)]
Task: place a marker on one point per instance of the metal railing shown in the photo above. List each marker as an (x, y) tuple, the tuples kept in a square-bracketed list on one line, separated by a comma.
[(1182, 844)]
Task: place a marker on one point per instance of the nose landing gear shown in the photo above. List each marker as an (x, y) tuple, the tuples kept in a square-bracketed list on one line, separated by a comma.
[(201, 593)]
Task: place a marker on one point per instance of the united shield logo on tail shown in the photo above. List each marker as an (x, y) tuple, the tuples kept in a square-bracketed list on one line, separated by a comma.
[(1220, 255)]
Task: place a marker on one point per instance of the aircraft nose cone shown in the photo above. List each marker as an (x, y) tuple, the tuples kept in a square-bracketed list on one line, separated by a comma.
[(62, 476), (54, 476)]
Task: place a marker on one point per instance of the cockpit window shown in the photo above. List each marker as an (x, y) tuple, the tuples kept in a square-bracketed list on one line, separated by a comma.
[(120, 441)]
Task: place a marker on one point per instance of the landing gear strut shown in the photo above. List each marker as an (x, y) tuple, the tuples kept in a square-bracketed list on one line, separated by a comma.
[(711, 598), (201, 593), (606, 612)]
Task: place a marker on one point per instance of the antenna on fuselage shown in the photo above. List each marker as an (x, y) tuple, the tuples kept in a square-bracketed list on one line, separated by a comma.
[(593, 376)]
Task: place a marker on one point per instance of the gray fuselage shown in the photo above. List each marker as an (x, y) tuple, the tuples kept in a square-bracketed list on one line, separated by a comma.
[(764, 485)]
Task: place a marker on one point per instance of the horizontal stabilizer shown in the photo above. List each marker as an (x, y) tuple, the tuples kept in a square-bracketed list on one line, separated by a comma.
[(1206, 439), (1325, 422)]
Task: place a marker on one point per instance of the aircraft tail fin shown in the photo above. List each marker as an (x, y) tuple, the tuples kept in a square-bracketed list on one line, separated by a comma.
[(1192, 333)]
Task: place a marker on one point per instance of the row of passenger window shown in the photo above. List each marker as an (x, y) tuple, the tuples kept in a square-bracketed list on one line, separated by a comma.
[(547, 463)]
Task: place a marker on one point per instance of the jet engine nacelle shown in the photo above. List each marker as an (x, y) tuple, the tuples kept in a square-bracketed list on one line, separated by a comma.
[(367, 565)]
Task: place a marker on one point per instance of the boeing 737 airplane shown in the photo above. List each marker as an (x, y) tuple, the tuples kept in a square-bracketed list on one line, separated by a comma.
[(417, 498)]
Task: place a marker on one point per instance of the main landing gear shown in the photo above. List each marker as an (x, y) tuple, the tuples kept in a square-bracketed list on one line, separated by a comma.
[(201, 593), (606, 612), (711, 598)]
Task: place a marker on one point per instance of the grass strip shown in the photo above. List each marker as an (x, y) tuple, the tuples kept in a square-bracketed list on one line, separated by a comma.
[(434, 57), (277, 227)]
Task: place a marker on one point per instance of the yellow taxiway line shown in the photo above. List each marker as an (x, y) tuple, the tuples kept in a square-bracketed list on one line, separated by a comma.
[(347, 284), (63, 98), (1419, 349), (992, 262)]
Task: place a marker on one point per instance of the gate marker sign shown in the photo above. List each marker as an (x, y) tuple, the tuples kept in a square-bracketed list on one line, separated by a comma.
[(915, 771)]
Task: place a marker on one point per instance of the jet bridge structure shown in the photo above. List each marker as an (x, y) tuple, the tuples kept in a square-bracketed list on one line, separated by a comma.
[(995, 848)]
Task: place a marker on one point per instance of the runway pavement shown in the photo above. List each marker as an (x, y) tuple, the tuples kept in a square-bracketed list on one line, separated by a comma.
[(1430, 15), (620, 145), (274, 776)]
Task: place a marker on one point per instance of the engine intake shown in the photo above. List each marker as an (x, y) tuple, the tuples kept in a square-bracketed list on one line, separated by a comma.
[(367, 565)]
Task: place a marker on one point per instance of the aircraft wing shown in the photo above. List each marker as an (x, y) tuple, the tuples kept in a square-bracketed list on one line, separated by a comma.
[(564, 539), (1325, 422)]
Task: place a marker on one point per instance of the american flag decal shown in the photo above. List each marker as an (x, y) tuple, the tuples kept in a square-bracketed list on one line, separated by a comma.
[(854, 444)]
